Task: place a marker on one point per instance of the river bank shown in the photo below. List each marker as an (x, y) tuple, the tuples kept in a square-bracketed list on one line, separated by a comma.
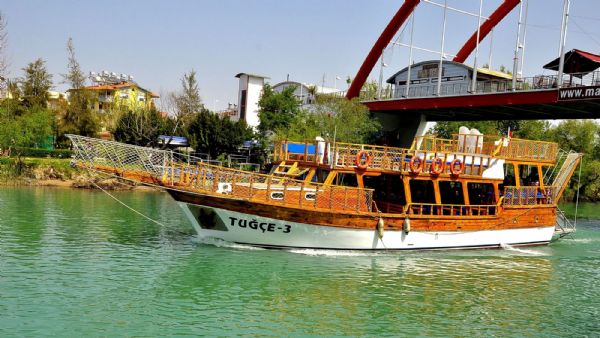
[(52, 172)]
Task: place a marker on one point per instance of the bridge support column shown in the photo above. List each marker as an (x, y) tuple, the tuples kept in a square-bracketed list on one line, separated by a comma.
[(400, 131)]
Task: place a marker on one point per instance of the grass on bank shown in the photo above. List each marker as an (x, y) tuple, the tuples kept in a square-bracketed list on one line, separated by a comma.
[(12, 168)]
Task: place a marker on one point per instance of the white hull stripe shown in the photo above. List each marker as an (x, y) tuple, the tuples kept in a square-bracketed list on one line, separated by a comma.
[(236, 227)]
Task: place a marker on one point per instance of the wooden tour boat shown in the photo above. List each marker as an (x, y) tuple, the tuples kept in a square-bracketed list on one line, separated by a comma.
[(471, 191)]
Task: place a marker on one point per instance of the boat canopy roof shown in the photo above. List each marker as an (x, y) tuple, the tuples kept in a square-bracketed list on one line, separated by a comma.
[(577, 62)]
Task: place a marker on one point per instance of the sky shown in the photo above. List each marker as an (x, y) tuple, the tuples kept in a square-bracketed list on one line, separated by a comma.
[(312, 41)]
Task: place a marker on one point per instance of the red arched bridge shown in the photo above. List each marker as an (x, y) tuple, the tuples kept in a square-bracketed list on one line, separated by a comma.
[(542, 97)]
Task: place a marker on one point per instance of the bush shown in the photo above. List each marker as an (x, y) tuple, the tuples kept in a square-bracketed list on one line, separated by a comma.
[(36, 152)]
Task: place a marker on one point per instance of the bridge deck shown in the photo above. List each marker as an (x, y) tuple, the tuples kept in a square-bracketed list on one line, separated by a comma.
[(581, 102)]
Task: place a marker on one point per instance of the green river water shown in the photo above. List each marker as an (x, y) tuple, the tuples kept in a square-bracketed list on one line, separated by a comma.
[(75, 263)]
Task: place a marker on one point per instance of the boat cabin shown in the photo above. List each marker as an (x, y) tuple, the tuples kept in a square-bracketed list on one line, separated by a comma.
[(468, 175)]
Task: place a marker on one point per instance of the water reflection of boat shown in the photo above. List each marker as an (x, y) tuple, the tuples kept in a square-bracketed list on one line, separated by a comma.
[(437, 194)]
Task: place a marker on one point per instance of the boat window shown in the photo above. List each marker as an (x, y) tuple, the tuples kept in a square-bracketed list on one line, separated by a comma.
[(389, 192), (421, 191), (348, 180), (320, 176), (451, 192), (509, 176), (529, 175), (481, 193)]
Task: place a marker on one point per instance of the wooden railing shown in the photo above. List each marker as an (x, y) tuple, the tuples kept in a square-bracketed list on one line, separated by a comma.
[(501, 147), (344, 156), (236, 184), (429, 209), (526, 150), (528, 195)]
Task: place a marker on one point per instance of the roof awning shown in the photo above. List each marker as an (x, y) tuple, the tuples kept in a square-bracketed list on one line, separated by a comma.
[(175, 141), (577, 62)]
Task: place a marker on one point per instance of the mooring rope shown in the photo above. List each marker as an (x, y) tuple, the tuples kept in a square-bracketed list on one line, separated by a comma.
[(131, 208)]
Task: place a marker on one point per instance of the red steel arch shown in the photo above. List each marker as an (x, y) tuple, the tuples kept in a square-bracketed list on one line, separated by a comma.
[(384, 39), (398, 20), (499, 14)]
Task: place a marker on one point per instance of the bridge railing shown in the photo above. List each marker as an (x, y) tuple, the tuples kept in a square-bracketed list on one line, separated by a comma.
[(429, 86)]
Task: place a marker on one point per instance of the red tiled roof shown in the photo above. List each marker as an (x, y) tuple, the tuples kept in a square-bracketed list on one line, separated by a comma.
[(109, 86), (117, 86)]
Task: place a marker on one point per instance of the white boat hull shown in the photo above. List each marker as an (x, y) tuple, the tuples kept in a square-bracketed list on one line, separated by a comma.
[(236, 227)]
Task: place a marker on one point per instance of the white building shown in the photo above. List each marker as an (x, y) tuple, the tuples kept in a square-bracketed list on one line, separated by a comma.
[(250, 89)]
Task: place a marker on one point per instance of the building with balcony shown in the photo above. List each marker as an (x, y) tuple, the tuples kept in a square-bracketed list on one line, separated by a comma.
[(122, 95)]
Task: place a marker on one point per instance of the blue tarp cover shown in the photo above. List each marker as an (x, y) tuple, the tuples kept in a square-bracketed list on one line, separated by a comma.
[(299, 148)]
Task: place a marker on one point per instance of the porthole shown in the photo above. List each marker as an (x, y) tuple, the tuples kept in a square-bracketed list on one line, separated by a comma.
[(277, 195)]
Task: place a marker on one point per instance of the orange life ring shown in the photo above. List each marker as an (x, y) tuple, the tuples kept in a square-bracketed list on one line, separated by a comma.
[(358, 160), (416, 164), (456, 171), (437, 166)]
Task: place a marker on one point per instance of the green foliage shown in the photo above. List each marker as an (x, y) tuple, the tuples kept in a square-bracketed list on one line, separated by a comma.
[(36, 84), (188, 101), (348, 121), (209, 133), (577, 135), (11, 168), (369, 90), (77, 117), (522, 129), (446, 129), (37, 152), (590, 180), (533, 130), (75, 77), (21, 127), (276, 110), (141, 127), (581, 136)]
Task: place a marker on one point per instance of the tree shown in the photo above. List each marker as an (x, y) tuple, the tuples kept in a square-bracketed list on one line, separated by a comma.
[(446, 129), (141, 127), (188, 101), (581, 136), (23, 127), (209, 133), (75, 77), (577, 135), (77, 117), (534, 130), (3, 60), (36, 84), (276, 110), (334, 119)]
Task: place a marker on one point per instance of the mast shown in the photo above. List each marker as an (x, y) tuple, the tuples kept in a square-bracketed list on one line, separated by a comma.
[(563, 39)]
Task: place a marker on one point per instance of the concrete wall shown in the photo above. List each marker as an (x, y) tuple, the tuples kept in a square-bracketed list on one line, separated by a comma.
[(252, 85)]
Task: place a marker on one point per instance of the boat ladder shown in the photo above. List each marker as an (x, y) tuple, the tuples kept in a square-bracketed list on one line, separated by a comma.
[(289, 170), (563, 176), (564, 226)]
